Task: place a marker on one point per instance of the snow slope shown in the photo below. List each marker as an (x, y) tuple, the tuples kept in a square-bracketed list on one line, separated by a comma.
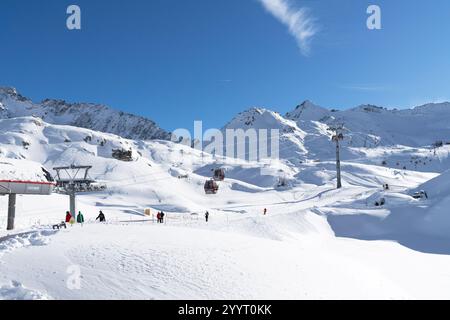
[(436, 221), (420, 224), (163, 262), (316, 242), (292, 253)]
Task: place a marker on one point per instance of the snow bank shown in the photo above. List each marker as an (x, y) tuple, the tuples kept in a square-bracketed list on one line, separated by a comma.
[(16, 291), (437, 187), (436, 221)]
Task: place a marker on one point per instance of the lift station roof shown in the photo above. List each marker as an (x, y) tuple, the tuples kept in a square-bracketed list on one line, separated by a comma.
[(24, 177)]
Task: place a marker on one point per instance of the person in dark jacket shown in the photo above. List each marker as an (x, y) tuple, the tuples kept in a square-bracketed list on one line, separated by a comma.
[(206, 216), (162, 217), (68, 217), (158, 217), (80, 217), (101, 217)]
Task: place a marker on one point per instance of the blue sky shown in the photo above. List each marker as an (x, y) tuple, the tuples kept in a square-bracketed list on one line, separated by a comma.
[(177, 61)]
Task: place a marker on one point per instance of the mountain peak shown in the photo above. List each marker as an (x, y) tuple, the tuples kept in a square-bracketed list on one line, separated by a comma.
[(11, 92), (257, 117), (254, 110), (8, 90), (306, 104), (307, 110)]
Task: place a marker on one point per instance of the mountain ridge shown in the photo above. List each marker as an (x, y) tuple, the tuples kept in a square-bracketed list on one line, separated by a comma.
[(365, 126), (93, 116)]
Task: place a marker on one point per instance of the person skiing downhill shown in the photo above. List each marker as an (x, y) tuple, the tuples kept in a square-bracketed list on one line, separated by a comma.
[(206, 216), (265, 211), (80, 218), (68, 217), (101, 217)]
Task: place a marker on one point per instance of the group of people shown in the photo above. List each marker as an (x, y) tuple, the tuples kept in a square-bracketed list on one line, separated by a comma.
[(160, 216), (80, 217), (101, 217)]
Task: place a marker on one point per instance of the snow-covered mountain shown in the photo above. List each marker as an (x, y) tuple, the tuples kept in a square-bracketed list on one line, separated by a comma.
[(302, 218), (291, 142), (308, 111), (371, 126), (84, 115), (414, 139), (299, 234)]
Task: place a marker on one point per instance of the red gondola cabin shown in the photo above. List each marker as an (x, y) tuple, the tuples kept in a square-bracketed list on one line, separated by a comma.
[(211, 187)]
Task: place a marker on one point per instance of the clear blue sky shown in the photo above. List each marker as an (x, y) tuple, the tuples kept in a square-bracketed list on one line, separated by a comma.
[(177, 61)]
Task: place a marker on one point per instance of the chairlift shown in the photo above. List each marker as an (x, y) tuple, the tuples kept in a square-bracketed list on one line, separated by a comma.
[(211, 187), (337, 137)]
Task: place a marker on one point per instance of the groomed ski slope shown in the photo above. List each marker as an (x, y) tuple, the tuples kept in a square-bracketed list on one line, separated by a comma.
[(315, 243), (291, 253), (165, 262)]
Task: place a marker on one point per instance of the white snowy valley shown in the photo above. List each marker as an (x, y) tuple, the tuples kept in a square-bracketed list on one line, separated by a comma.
[(315, 242)]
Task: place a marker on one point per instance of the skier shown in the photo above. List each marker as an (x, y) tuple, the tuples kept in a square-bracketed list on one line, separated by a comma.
[(207, 216), (68, 217), (80, 218), (265, 211), (162, 216), (101, 217)]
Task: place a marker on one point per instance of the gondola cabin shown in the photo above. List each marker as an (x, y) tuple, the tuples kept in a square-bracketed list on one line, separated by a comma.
[(219, 175), (211, 187)]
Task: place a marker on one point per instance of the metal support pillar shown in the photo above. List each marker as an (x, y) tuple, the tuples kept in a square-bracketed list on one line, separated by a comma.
[(73, 205), (11, 211), (338, 166)]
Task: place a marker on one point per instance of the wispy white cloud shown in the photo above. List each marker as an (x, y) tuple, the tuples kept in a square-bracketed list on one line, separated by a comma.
[(301, 24)]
